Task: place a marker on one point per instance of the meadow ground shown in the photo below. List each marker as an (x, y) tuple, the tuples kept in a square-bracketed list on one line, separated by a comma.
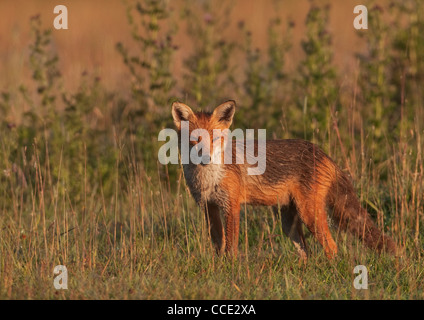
[(81, 109)]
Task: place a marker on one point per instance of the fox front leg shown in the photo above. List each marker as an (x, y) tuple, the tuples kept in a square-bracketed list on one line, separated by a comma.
[(216, 229), (232, 227)]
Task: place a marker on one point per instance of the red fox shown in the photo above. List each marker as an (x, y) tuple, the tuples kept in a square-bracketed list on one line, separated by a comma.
[(299, 182)]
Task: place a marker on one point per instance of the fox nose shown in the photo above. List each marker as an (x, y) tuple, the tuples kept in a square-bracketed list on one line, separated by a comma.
[(206, 159)]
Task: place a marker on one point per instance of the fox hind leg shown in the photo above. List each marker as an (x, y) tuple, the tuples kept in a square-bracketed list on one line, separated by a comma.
[(292, 227), (314, 216)]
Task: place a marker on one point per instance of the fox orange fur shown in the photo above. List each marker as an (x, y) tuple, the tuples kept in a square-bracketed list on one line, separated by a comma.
[(300, 181)]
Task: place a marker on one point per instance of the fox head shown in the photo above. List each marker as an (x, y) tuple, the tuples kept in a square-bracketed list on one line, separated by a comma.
[(205, 131)]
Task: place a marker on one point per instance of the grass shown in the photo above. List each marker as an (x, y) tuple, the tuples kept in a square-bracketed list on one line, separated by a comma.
[(163, 252), (80, 184), (146, 243)]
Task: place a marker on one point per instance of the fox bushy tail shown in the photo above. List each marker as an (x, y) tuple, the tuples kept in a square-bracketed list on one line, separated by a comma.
[(350, 216)]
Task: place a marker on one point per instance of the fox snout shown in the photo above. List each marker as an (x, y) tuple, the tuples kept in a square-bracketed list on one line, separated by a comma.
[(203, 154)]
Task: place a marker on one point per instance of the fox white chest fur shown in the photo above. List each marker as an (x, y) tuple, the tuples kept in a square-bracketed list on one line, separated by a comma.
[(203, 181)]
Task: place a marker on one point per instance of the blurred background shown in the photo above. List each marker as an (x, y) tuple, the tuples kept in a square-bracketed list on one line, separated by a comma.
[(96, 26)]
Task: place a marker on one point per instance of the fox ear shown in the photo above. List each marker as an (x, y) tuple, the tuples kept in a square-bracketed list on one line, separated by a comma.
[(224, 113), (181, 112)]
